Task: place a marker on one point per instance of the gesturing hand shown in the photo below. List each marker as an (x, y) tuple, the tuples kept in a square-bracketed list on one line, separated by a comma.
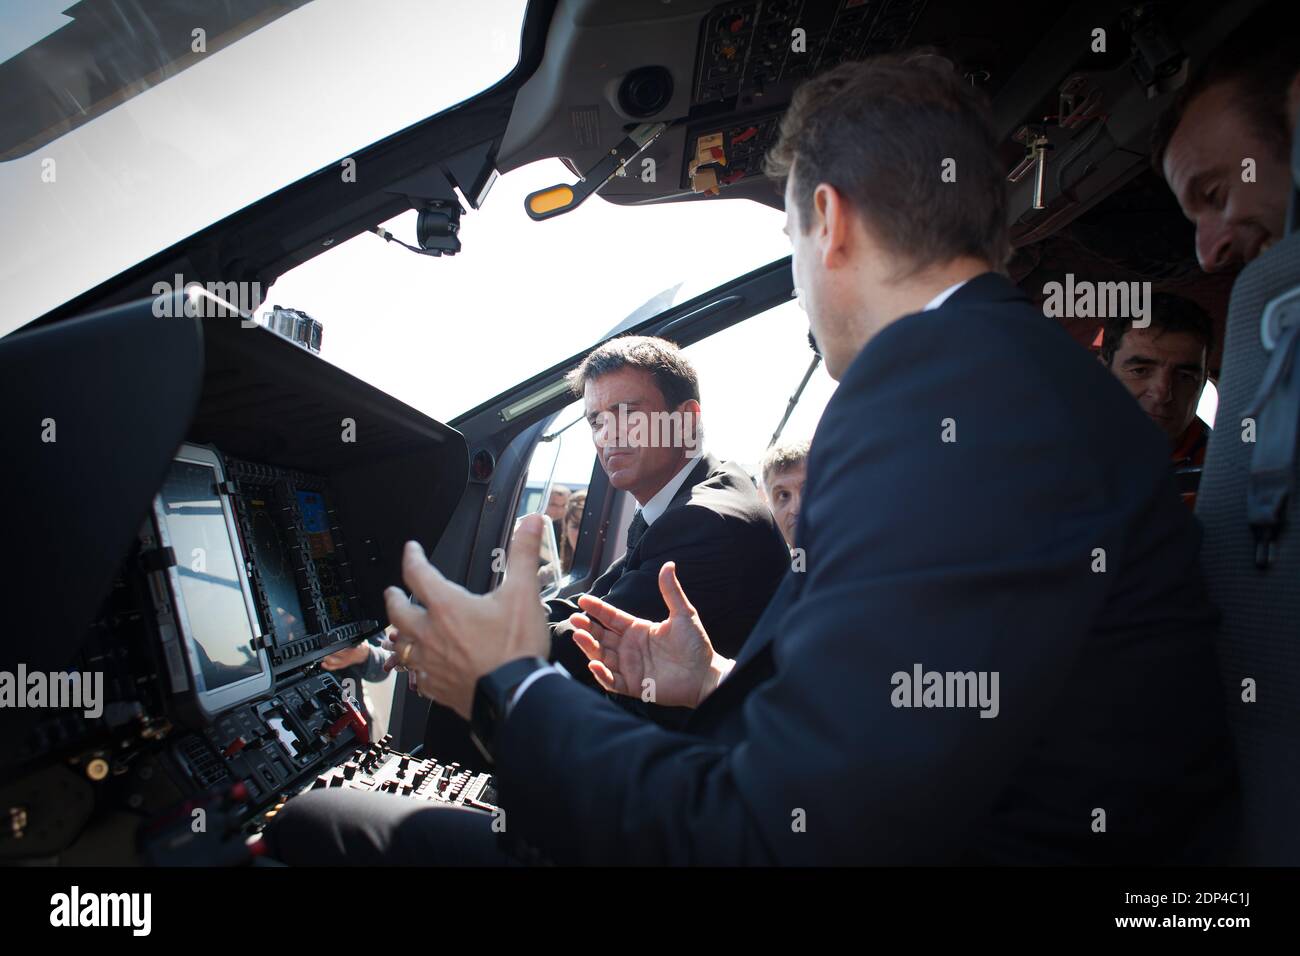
[(671, 663), (389, 643), (457, 637)]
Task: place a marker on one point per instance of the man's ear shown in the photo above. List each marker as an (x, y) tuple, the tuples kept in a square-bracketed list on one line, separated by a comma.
[(690, 409), (831, 222)]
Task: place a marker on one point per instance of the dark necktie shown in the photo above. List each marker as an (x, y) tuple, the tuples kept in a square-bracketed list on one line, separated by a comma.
[(635, 530)]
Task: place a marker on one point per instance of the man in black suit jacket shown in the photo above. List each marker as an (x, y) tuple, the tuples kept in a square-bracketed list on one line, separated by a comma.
[(641, 397), (719, 534), (1000, 649)]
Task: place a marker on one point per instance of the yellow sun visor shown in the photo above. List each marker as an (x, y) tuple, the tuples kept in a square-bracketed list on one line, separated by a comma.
[(549, 201)]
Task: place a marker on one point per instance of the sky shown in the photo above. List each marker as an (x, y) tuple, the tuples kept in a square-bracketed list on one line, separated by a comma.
[(234, 126)]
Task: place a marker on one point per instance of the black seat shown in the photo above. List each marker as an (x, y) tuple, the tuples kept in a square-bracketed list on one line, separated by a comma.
[(1250, 507)]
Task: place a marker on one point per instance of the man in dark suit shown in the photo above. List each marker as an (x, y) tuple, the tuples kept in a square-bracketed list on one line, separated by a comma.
[(642, 401), (716, 530), (1000, 649)]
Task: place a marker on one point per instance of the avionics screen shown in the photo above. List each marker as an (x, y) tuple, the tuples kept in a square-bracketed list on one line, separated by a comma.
[(316, 522), (216, 611), (277, 571)]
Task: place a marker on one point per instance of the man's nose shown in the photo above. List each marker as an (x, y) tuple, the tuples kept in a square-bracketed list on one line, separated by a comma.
[(1213, 244), (602, 434), (1162, 386)]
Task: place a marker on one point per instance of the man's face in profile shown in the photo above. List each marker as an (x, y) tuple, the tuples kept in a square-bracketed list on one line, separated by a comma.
[(1235, 220), (784, 492), (640, 464), (1165, 372), (804, 264), (556, 506)]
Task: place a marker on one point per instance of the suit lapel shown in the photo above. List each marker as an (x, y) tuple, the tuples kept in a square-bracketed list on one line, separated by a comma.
[(600, 587)]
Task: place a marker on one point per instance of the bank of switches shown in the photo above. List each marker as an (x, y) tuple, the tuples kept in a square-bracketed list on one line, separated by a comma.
[(380, 768)]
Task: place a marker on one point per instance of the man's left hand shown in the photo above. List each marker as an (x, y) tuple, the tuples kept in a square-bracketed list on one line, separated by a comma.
[(349, 657), (457, 637)]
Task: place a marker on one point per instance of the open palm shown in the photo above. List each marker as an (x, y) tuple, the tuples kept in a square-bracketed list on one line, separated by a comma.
[(669, 662)]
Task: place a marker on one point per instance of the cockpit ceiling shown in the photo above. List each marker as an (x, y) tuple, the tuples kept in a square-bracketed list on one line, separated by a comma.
[(610, 67)]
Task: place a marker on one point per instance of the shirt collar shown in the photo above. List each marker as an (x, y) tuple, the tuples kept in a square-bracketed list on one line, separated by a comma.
[(657, 505), (942, 297)]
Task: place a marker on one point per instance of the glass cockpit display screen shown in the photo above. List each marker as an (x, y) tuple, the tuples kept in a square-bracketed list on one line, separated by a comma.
[(211, 585), (278, 579), (325, 554)]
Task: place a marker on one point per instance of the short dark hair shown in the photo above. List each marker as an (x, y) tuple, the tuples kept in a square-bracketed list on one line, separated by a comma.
[(783, 456), (1169, 313), (879, 131), (1258, 59), (673, 374)]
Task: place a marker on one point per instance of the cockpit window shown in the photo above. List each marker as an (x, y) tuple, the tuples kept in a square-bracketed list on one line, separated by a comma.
[(445, 334), (61, 69), (128, 125)]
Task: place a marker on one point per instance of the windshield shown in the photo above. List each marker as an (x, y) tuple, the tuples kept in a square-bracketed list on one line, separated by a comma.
[(127, 126), (445, 334)]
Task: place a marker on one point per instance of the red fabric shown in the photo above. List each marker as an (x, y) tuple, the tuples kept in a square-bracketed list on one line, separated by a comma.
[(1190, 453)]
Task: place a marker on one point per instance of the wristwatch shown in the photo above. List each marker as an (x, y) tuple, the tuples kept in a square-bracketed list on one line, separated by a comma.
[(492, 696)]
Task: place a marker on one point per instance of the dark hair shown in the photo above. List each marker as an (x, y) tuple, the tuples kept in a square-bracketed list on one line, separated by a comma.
[(577, 504), (783, 457), (1169, 313), (1258, 59), (673, 375), (880, 131)]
